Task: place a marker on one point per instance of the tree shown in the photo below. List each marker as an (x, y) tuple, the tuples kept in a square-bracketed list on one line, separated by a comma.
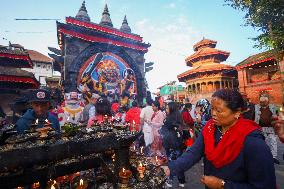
[(268, 17)]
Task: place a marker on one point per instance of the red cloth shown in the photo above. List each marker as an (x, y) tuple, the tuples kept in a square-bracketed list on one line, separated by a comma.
[(133, 114), (231, 143), (115, 107), (187, 119)]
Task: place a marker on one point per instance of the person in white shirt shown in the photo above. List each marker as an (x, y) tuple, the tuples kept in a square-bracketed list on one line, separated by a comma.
[(146, 116)]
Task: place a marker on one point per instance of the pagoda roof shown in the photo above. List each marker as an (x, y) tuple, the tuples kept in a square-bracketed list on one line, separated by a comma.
[(102, 34), (204, 43), (207, 51), (13, 78), (204, 69), (15, 58), (258, 58), (38, 57)]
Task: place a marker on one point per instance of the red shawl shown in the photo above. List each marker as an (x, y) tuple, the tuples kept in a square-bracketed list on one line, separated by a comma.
[(231, 143)]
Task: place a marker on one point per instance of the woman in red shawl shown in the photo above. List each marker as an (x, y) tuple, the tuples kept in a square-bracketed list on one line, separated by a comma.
[(233, 149)]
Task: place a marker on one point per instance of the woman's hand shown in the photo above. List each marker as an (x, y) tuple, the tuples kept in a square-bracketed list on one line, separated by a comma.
[(211, 182), (278, 125), (166, 170)]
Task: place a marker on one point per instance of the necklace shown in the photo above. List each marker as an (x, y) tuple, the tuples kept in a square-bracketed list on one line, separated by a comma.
[(220, 132)]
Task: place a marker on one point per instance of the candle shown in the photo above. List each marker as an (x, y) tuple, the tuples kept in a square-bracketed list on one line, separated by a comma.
[(141, 170), (124, 175), (36, 122), (141, 150), (82, 184), (113, 157), (156, 160)]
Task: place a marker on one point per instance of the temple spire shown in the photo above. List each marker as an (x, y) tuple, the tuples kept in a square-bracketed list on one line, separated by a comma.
[(125, 27), (83, 13), (106, 21)]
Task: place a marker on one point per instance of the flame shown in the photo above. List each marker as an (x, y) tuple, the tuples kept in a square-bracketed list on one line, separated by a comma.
[(105, 115), (140, 164), (123, 170), (52, 187), (36, 122), (281, 109), (81, 182), (68, 118), (156, 158), (134, 148), (46, 120), (133, 122)]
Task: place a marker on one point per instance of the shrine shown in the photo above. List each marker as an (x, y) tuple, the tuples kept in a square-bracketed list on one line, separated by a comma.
[(207, 74), (99, 58)]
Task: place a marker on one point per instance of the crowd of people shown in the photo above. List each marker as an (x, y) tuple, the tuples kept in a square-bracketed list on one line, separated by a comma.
[(236, 139)]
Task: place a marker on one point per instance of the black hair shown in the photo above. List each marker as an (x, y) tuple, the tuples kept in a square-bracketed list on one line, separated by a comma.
[(187, 106), (103, 106), (157, 104), (149, 101), (172, 107), (232, 98), (134, 104)]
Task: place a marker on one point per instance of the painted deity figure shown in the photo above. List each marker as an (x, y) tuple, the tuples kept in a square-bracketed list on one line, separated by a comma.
[(71, 111)]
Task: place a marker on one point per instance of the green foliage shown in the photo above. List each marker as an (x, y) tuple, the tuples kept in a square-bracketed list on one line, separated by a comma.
[(267, 16)]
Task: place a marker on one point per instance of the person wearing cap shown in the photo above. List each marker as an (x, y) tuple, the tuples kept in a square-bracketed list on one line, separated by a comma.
[(40, 103), (90, 109), (264, 111)]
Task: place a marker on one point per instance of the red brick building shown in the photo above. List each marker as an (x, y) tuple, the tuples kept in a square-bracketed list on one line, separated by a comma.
[(207, 74), (260, 73)]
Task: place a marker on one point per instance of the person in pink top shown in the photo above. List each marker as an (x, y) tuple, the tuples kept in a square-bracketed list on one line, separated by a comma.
[(156, 122), (103, 108)]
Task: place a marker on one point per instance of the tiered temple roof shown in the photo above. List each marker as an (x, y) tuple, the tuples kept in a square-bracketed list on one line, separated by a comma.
[(206, 59), (13, 58)]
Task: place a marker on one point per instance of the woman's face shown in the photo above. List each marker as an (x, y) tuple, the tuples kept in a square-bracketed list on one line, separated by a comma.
[(167, 110), (154, 108), (221, 114)]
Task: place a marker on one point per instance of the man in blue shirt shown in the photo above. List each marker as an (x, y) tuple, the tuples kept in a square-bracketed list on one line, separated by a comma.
[(40, 102)]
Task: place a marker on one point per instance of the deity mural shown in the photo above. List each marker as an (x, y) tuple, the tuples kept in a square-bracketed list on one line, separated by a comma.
[(106, 73)]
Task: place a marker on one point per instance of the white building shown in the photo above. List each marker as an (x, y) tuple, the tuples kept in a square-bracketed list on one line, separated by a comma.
[(43, 66)]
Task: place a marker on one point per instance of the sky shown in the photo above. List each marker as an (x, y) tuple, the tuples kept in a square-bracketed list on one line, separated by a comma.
[(172, 27)]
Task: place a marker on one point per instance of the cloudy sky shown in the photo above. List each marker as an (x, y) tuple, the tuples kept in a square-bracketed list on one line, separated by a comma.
[(171, 26)]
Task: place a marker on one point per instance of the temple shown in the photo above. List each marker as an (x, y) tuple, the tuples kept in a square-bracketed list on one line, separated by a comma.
[(207, 74), (13, 80), (260, 74), (99, 58)]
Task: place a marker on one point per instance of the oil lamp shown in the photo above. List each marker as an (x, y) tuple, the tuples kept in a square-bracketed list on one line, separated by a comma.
[(124, 176), (82, 184), (141, 170)]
